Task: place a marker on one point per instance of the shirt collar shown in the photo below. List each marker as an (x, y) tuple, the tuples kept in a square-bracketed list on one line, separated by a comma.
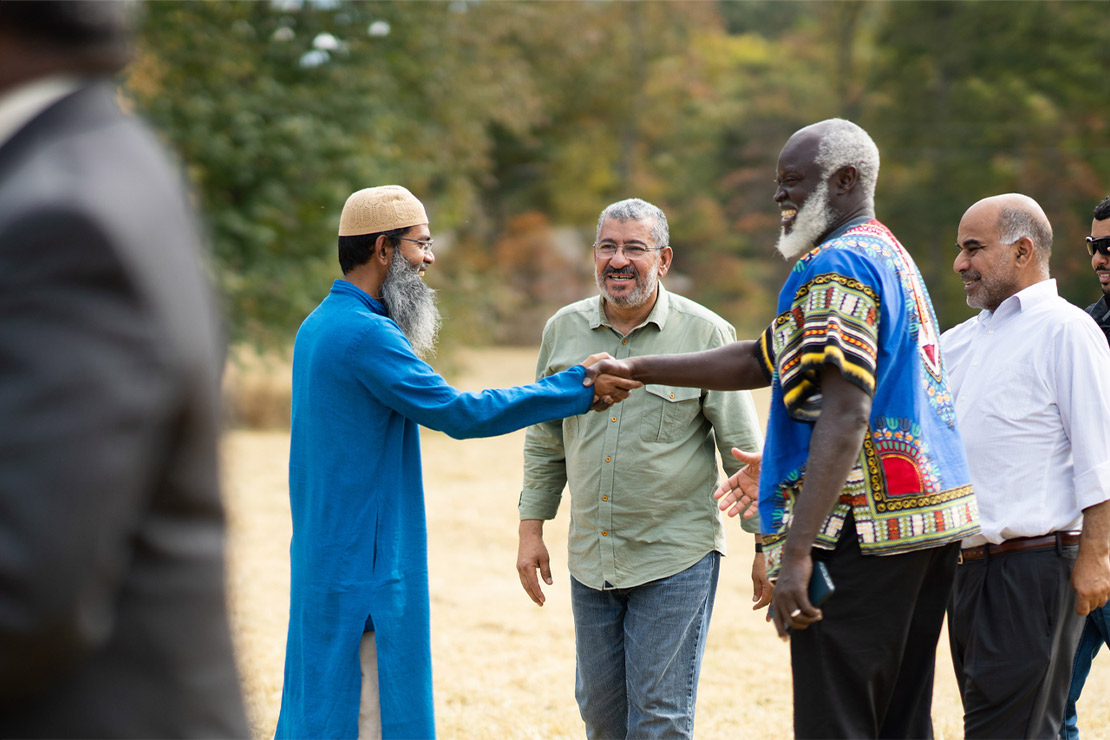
[(658, 315), (343, 287), (1023, 300), (21, 104), (841, 231)]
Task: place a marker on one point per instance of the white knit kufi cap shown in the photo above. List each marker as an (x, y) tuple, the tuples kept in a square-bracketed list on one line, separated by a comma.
[(384, 208)]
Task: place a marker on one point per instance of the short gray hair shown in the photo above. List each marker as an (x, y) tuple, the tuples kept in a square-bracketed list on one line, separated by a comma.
[(634, 209), (1017, 223), (844, 144)]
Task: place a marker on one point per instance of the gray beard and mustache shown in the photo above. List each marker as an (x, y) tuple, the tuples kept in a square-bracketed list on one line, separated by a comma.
[(641, 294), (813, 220), (412, 304)]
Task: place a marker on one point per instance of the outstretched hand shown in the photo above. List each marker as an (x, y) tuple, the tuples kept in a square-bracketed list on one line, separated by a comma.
[(741, 490), (610, 380)]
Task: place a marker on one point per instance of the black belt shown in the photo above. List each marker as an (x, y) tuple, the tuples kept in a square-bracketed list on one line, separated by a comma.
[(1017, 544)]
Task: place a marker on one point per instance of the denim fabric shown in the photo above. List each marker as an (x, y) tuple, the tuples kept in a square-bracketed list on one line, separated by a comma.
[(1096, 630), (639, 653)]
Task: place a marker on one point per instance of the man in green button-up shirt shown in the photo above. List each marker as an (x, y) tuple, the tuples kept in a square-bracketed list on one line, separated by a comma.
[(645, 533)]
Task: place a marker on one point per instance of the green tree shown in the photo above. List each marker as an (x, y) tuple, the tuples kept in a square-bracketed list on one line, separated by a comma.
[(979, 98)]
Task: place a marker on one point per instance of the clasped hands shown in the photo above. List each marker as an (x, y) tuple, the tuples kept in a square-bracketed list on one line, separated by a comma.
[(610, 387)]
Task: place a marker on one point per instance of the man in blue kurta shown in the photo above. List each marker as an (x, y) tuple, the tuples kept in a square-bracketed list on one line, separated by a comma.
[(863, 468), (358, 655)]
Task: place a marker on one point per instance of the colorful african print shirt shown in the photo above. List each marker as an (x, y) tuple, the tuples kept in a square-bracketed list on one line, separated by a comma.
[(858, 301)]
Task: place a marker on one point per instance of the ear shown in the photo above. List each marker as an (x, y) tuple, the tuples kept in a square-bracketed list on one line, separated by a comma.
[(1024, 252), (846, 178), (382, 251), (665, 258)]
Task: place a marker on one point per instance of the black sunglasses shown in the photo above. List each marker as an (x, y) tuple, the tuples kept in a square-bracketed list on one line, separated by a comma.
[(1100, 245)]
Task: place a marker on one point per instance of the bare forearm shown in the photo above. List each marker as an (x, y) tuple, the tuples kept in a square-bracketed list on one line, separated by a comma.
[(1095, 540), (728, 368), (530, 528), (1090, 576), (833, 450), (832, 454)]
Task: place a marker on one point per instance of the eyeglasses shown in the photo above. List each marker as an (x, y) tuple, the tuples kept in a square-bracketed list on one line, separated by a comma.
[(1101, 245), (631, 251), (426, 246)]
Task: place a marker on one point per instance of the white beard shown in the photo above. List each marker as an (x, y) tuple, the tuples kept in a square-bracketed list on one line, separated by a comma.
[(812, 221), (412, 304)]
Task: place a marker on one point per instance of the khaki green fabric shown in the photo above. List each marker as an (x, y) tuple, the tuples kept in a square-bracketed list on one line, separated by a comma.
[(641, 475)]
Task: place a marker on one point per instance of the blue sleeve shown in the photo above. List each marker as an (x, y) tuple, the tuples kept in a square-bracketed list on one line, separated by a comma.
[(386, 365)]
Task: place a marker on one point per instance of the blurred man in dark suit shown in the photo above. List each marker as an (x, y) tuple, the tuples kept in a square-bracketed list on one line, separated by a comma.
[(112, 606)]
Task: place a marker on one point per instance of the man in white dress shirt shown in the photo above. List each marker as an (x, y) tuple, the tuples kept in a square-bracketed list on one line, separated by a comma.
[(1033, 410)]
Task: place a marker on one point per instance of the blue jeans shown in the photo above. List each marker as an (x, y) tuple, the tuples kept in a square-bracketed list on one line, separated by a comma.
[(639, 653), (1096, 630)]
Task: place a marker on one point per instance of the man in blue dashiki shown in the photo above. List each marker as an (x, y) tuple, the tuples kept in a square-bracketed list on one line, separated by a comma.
[(358, 655), (863, 467)]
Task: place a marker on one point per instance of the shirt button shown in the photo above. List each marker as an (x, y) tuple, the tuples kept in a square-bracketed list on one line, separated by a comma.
[(624, 341), (613, 419), (604, 498), (604, 533), (672, 395), (608, 459)]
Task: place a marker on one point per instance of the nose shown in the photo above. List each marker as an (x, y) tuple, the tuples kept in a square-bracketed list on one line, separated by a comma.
[(780, 194), (961, 262), (619, 259), (1100, 261), (429, 258)]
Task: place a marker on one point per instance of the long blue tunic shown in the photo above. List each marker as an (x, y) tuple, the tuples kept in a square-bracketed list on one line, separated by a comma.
[(359, 548)]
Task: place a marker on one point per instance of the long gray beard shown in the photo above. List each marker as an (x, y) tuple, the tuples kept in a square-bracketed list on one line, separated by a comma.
[(412, 304), (811, 222)]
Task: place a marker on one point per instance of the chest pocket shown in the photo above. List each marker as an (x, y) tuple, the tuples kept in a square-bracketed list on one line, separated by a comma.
[(668, 412)]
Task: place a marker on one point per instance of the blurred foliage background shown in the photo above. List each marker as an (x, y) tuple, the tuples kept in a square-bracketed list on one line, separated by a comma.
[(516, 122)]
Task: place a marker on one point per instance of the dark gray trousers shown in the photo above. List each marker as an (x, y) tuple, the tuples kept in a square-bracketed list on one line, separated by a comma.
[(1013, 630)]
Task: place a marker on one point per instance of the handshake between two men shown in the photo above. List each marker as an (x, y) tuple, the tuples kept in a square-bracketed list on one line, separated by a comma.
[(613, 382)]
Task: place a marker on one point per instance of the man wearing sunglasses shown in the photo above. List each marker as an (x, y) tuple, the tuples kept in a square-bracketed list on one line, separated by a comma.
[(1096, 629), (1032, 406), (1098, 246)]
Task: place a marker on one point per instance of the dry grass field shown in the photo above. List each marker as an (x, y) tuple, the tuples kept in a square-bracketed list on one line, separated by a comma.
[(504, 668)]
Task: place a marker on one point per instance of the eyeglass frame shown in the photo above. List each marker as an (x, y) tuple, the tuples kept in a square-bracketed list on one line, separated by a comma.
[(426, 246), (1100, 245), (623, 248)]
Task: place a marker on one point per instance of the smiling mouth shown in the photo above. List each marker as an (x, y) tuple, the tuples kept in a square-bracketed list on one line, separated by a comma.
[(620, 277), (788, 215)]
